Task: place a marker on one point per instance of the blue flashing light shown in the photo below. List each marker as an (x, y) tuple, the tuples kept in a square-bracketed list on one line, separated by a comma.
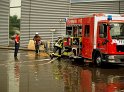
[(109, 17), (65, 20)]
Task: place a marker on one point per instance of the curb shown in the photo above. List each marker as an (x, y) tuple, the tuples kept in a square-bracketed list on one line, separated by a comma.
[(24, 49), (12, 48)]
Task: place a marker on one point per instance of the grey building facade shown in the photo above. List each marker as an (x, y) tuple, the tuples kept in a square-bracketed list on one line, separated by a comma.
[(96, 6), (4, 22), (44, 15)]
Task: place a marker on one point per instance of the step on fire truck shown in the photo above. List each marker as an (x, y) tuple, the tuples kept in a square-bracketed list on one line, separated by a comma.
[(98, 37)]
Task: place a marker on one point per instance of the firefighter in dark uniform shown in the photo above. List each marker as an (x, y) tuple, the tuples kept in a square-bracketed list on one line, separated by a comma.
[(58, 46), (37, 42)]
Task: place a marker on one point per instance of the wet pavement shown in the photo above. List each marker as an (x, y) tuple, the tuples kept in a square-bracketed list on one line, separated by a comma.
[(32, 73)]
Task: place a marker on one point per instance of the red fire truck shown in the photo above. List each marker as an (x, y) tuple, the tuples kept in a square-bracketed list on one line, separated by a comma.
[(98, 37)]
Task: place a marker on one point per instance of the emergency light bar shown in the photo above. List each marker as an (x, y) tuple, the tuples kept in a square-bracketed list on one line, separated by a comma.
[(113, 15), (102, 14), (109, 17), (122, 15)]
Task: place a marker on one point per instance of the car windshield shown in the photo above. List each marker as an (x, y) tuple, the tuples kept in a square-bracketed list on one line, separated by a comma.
[(117, 30)]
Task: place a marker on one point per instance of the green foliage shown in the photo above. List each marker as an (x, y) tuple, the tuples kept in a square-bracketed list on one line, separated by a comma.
[(14, 23)]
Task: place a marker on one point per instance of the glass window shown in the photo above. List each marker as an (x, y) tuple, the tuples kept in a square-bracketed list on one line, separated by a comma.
[(69, 31), (80, 30), (87, 31), (75, 31), (14, 18), (103, 31), (117, 30), (14, 3)]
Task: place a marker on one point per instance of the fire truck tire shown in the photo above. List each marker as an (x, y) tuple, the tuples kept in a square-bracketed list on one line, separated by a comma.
[(98, 60)]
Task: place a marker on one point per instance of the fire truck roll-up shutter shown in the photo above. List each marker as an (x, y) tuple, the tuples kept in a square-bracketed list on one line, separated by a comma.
[(44, 17), (4, 22), (87, 8)]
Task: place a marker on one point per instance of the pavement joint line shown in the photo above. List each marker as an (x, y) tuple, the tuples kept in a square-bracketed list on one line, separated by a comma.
[(20, 62), (2, 64), (35, 60), (21, 48), (11, 62), (44, 63)]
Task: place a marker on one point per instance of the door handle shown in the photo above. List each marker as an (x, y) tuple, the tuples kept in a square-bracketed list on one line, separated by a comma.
[(98, 44)]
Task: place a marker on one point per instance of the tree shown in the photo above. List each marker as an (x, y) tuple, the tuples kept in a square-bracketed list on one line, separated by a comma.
[(14, 23)]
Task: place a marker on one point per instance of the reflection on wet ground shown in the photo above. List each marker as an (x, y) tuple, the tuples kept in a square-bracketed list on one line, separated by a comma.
[(32, 73)]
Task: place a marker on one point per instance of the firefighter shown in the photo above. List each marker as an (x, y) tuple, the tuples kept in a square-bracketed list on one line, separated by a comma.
[(37, 42), (17, 42), (58, 45)]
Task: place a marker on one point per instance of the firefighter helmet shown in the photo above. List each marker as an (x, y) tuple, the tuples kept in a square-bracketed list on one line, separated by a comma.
[(36, 33)]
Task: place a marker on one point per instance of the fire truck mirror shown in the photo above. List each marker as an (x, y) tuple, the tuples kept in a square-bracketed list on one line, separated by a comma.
[(106, 40), (111, 26), (101, 28), (101, 35)]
